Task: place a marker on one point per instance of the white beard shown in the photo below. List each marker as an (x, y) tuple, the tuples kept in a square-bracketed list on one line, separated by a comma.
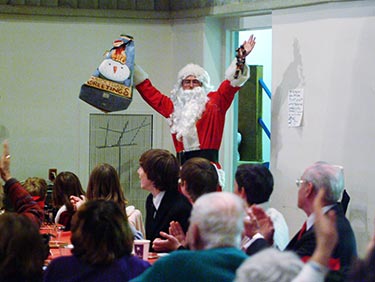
[(188, 108)]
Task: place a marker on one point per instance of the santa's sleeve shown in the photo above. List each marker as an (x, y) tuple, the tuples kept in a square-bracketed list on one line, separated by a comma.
[(242, 77), (157, 100)]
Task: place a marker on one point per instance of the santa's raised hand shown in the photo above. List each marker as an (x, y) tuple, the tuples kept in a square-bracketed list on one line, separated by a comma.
[(249, 45)]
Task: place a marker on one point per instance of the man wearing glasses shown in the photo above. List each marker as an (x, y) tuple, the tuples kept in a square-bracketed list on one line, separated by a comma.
[(195, 114), (330, 178)]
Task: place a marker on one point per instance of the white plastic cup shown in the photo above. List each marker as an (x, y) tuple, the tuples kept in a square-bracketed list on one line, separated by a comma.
[(141, 248)]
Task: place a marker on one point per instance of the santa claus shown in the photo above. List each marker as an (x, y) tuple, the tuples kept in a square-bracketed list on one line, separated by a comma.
[(196, 114)]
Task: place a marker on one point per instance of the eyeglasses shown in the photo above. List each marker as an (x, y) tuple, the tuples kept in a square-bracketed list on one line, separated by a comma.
[(299, 182), (195, 82)]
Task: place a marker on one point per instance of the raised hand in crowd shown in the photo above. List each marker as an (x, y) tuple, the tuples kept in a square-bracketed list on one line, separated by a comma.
[(325, 230), (77, 201), (258, 222), (165, 244), (172, 241), (5, 162)]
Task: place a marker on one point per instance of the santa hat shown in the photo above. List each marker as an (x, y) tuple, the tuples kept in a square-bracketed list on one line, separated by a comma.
[(196, 70)]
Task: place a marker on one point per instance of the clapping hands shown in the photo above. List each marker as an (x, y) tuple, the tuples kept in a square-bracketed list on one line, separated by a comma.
[(258, 221), (171, 241), (77, 201)]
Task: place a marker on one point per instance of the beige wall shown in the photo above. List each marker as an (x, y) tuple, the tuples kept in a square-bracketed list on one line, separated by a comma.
[(328, 52), (44, 62)]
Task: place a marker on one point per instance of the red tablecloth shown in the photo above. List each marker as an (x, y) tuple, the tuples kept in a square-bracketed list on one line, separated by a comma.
[(59, 243)]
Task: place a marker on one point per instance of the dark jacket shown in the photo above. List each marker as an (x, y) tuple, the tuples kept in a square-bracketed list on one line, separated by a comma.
[(173, 206)]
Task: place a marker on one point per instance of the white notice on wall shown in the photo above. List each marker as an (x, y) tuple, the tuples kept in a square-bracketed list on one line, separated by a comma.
[(295, 107)]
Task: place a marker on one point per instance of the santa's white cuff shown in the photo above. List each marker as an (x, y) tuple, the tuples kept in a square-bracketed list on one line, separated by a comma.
[(242, 77), (139, 75)]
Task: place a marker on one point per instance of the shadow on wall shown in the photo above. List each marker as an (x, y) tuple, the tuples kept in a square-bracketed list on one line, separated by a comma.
[(293, 77)]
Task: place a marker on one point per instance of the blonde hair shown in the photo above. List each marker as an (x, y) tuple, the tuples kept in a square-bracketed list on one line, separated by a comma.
[(36, 187)]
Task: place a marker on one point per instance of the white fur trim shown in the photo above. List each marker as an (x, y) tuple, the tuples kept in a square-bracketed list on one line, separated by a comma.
[(139, 75), (220, 175), (59, 212), (196, 70), (242, 78)]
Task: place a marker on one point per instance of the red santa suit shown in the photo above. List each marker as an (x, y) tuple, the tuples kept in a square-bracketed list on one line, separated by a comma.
[(205, 141)]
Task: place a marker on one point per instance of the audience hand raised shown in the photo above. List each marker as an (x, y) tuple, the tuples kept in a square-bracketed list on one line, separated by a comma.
[(325, 230), (175, 229), (5, 162), (259, 222), (174, 240), (170, 243), (77, 201)]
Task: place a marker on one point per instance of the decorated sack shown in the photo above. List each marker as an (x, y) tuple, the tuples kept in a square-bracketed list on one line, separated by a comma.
[(110, 88)]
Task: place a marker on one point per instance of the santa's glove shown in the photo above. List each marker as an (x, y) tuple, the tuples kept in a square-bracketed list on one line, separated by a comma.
[(241, 78), (139, 75)]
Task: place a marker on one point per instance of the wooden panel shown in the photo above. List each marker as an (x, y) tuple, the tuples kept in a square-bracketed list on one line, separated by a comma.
[(15, 2), (161, 5), (49, 3), (107, 4), (32, 2), (126, 4), (88, 4), (68, 3), (145, 5)]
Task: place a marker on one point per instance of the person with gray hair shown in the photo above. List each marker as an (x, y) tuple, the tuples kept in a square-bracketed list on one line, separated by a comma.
[(330, 179), (270, 265), (214, 236)]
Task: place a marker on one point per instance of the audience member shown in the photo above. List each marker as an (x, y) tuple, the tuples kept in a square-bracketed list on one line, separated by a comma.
[(158, 173), (198, 176), (22, 251), (214, 237), (20, 199), (104, 183), (66, 184), (37, 187), (103, 243), (272, 265), (254, 184), (329, 178), (269, 265)]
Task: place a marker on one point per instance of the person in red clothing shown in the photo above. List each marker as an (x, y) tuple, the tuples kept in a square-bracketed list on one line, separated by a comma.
[(37, 187), (66, 184), (196, 114), (20, 199)]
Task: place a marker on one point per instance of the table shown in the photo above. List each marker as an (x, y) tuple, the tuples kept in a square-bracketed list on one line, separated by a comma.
[(59, 243)]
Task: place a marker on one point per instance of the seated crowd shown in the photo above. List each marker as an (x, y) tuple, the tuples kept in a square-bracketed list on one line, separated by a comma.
[(209, 235)]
